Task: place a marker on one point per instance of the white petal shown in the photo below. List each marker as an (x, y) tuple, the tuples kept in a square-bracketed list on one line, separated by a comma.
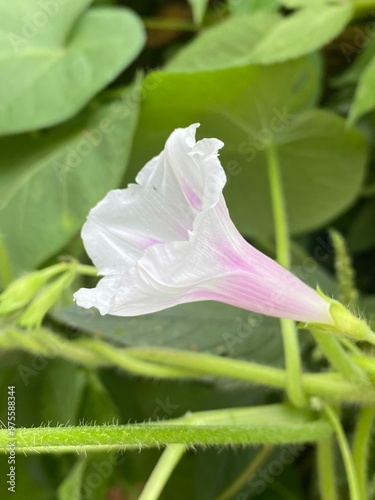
[(160, 208)]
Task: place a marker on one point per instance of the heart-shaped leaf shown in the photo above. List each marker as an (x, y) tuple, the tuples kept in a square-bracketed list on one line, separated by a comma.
[(263, 38), (49, 182), (322, 161), (55, 57)]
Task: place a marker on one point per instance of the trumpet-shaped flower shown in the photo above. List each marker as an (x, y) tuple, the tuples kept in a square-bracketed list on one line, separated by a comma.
[(169, 239)]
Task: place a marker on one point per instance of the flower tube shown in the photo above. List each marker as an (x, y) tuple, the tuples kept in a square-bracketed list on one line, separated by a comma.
[(169, 239)]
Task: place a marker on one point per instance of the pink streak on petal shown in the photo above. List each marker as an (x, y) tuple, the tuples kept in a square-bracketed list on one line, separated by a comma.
[(191, 196)]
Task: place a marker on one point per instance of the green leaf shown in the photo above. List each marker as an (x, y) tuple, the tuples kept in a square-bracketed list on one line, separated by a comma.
[(351, 51), (62, 392), (262, 38), (322, 160), (364, 97), (249, 6), (71, 486), (59, 57), (97, 405), (49, 182), (207, 326), (199, 9), (361, 234)]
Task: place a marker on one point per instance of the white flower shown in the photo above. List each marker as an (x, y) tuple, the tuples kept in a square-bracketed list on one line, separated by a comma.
[(169, 239)]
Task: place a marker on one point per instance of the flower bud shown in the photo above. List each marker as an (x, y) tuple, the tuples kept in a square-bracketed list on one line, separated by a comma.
[(46, 299), (21, 291)]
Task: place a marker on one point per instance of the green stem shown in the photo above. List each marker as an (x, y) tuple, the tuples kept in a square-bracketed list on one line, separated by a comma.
[(84, 439), (278, 209), (350, 468), (361, 446), (176, 363), (320, 384), (326, 469), (212, 365), (133, 365), (292, 362), (288, 328), (246, 475), (162, 472), (367, 363), (270, 424), (339, 358), (86, 270), (89, 352), (158, 23)]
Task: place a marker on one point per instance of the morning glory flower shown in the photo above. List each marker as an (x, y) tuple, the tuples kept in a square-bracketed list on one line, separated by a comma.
[(169, 239)]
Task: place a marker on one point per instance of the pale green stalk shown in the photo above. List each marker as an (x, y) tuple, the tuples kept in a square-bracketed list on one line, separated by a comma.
[(361, 446), (288, 329), (351, 472), (326, 469), (162, 472)]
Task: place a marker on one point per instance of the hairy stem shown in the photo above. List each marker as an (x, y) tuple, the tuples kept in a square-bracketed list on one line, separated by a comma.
[(339, 358)]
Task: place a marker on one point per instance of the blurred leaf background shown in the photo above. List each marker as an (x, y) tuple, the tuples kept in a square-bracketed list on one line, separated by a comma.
[(90, 90)]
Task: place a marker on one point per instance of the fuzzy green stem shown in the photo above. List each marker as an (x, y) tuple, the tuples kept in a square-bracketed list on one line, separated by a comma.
[(112, 438), (270, 424), (347, 457), (90, 352), (176, 363), (133, 365), (212, 365), (339, 358), (162, 472), (246, 474), (321, 384), (361, 446), (288, 328), (326, 470)]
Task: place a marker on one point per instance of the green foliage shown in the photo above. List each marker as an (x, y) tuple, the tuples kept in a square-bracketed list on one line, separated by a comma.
[(59, 57), (322, 160), (263, 38), (52, 179), (71, 487)]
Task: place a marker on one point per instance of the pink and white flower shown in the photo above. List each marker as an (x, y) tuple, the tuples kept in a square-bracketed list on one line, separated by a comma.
[(169, 239)]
